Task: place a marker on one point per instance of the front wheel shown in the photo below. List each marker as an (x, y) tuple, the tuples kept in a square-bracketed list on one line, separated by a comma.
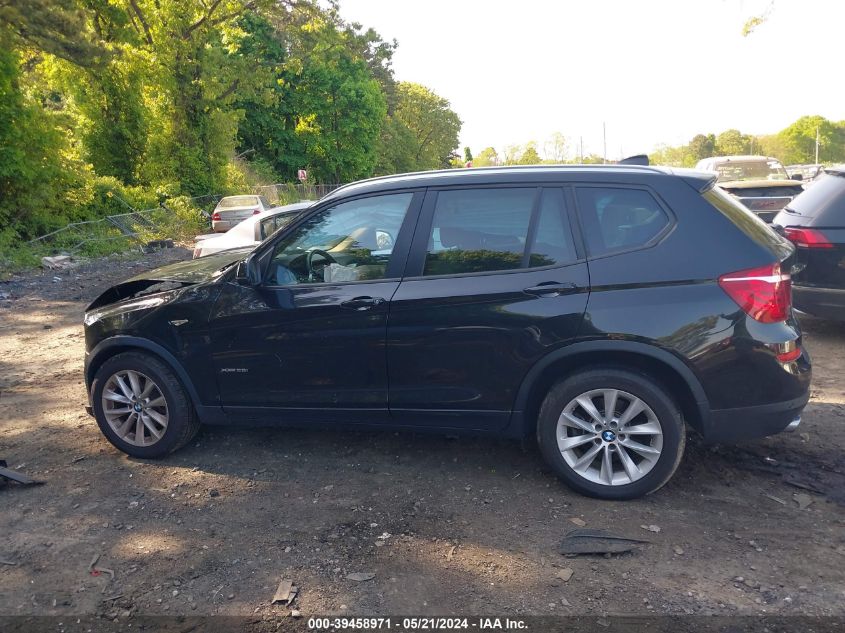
[(611, 433), (141, 407)]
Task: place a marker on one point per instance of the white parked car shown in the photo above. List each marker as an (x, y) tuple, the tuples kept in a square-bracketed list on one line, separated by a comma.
[(251, 231), (232, 209)]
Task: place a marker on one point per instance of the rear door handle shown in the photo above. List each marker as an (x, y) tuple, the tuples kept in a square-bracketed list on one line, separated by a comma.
[(551, 289), (362, 303)]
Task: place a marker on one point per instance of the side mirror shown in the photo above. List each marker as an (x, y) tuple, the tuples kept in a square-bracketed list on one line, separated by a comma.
[(797, 177), (248, 272)]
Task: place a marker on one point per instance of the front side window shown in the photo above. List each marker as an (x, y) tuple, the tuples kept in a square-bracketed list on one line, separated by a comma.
[(274, 223), (352, 241), (618, 219)]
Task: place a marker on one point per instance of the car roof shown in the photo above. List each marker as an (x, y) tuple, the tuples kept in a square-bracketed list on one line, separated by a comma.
[(522, 175)]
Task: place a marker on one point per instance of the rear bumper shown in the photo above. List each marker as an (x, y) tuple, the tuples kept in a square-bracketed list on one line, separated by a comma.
[(825, 303), (746, 423), (221, 226)]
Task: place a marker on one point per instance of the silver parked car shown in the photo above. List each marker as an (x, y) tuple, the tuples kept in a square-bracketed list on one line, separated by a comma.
[(250, 232), (232, 209)]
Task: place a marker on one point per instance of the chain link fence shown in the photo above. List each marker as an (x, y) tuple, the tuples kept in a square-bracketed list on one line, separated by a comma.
[(178, 219)]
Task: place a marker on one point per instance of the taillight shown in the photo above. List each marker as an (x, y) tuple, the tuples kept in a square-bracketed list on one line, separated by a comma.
[(764, 293), (256, 211), (807, 238), (215, 216)]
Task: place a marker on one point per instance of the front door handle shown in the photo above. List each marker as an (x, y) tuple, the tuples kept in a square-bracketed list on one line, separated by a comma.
[(362, 303), (551, 289)]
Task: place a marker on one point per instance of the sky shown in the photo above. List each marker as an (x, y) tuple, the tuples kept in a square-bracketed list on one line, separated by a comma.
[(653, 71)]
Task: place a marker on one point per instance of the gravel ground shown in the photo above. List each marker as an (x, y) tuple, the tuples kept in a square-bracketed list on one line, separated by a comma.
[(445, 525)]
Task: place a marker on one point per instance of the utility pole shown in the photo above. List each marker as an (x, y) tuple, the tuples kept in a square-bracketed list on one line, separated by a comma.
[(604, 136), (817, 145), (580, 149)]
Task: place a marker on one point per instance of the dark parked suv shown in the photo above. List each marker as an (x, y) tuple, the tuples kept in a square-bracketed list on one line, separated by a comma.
[(815, 223), (598, 309)]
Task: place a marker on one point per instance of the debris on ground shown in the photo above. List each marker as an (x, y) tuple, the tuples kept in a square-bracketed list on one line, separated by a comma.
[(577, 521), (774, 498), (57, 262), (94, 570), (651, 528), (7, 562), (14, 475), (359, 576), (679, 551), (803, 500), (594, 541), (565, 574), (285, 593)]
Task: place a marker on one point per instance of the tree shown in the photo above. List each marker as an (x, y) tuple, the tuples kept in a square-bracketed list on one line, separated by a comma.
[(396, 148), (467, 155), (702, 146), (556, 148), (433, 123), (488, 157), (529, 155), (339, 107), (799, 140), (33, 173), (56, 27), (732, 143)]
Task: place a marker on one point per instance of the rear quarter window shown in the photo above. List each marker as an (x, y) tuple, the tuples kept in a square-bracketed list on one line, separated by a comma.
[(619, 219)]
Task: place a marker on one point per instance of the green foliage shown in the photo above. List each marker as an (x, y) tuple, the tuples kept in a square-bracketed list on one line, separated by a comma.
[(529, 155), (488, 157), (795, 144), (112, 105), (733, 143), (432, 122)]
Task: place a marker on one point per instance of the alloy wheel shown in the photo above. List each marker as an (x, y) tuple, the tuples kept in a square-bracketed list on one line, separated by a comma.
[(609, 436), (135, 408)]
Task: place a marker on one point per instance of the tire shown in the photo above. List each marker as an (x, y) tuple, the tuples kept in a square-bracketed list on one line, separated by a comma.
[(173, 405), (567, 432)]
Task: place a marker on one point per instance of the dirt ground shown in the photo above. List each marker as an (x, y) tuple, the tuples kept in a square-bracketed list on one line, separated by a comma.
[(447, 525)]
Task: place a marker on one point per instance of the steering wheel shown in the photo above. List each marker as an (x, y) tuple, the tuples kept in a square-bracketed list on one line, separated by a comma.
[(309, 260)]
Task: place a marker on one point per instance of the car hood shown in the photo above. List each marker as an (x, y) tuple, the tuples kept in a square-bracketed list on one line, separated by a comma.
[(194, 270), (757, 184), (171, 277)]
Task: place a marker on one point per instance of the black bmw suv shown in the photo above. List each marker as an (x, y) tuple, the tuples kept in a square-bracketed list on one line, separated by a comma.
[(599, 309)]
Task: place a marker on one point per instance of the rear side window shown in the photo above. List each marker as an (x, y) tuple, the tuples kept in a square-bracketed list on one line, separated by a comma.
[(823, 200), (618, 219), (484, 230)]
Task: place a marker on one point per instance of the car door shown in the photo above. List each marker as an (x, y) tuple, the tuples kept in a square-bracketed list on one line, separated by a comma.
[(495, 281), (308, 341)]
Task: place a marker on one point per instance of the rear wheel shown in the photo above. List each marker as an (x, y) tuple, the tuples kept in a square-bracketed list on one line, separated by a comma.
[(141, 406), (611, 433)]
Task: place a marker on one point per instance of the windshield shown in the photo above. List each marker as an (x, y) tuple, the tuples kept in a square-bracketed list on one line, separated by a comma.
[(751, 170), (233, 202)]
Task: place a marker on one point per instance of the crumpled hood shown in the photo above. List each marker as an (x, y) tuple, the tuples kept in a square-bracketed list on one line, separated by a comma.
[(171, 277), (194, 270)]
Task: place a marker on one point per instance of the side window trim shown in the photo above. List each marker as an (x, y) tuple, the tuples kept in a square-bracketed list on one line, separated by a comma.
[(659, 237), (533, 221), (398, 257)]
